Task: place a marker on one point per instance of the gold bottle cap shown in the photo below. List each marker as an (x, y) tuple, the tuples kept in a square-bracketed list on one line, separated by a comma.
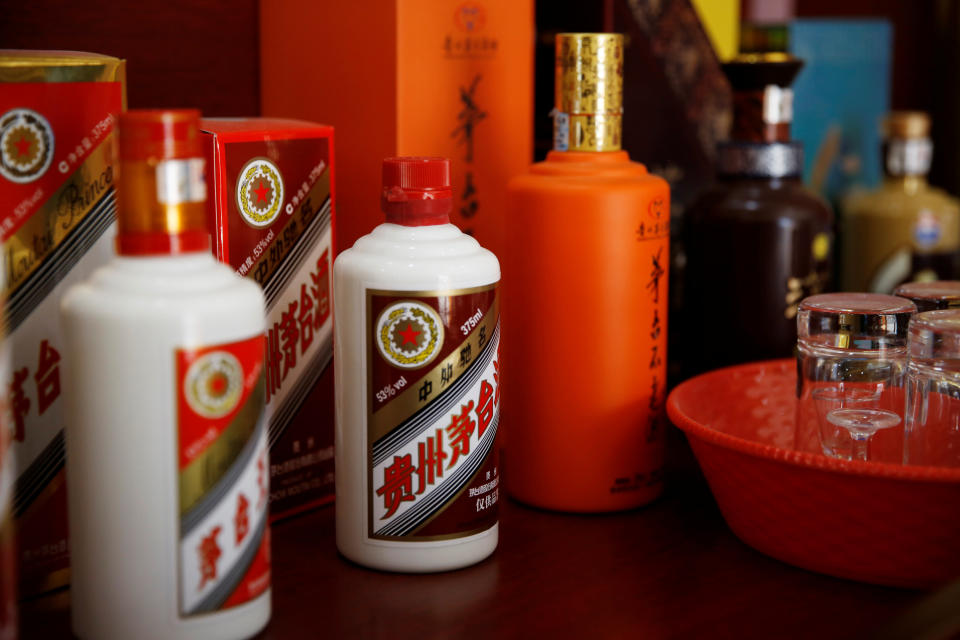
[(906, 125), (588, 92)]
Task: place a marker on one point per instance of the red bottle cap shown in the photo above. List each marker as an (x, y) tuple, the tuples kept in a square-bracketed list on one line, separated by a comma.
[(160, 134), (416, 191), (161, 148)]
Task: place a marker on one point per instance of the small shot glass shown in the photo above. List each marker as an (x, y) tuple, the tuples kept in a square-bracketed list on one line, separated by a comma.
[(932, 418), (931, 296), (851, 362)]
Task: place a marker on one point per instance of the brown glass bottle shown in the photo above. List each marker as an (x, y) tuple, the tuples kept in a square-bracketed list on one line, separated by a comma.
[(757, 241)]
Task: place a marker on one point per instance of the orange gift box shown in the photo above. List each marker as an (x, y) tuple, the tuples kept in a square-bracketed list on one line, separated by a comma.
[(417, 77)]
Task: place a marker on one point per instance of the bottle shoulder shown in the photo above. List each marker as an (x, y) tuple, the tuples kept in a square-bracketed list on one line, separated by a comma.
[(434, 255), (576, 171), (755, 200), (894, 202), (936, 194), (155, 285)]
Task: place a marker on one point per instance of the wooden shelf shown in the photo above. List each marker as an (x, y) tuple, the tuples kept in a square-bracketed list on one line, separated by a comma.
[(672, 569)]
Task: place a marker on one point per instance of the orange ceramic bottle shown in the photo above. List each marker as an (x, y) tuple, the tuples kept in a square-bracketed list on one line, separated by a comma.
[(585, 303)]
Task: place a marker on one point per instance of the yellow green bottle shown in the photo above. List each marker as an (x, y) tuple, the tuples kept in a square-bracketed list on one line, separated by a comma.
[(905, 230)]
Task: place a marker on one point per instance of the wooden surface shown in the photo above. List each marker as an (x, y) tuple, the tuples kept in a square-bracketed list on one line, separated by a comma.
[(670, 570)]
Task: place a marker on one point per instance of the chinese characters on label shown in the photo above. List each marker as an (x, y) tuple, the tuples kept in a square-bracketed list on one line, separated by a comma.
[(268, 254), (220, 543), (482, 47), (303, 193), (658, 222), (300, 319), (209, 552), (452, 443), (82, 148), (800, 288), (657, 340), (46, 385), (468, 118)]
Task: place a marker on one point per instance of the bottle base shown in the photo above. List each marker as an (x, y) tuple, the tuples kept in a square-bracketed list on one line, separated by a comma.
[(422, 557), (237, 623)]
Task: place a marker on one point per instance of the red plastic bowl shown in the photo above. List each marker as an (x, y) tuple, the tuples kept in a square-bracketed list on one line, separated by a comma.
[(881, 523)]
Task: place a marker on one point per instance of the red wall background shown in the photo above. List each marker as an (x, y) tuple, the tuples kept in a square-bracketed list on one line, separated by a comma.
[(205, 53), (180, 53)]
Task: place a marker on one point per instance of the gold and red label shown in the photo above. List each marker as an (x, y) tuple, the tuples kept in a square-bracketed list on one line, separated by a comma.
[(433, 413), (55, 166), (223, 465)]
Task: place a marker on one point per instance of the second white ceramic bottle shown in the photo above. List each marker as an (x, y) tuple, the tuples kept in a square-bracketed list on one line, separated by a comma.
[(417, 369)]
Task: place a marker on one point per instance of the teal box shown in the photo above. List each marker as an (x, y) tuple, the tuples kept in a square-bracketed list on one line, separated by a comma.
[(840, 99)]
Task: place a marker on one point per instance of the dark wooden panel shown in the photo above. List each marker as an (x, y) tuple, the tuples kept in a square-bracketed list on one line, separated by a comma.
[(180, 53), (914, 47)]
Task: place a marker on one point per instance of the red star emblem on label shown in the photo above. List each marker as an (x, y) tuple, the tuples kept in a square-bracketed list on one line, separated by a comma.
[(410, 334), (261, 192), (23, 146), (26, 145)]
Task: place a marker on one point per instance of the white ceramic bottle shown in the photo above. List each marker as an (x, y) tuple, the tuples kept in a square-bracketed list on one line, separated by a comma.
[(416, 360), (167, 465)]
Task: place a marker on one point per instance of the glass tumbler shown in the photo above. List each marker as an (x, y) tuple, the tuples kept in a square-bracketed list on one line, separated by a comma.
[(932, 420), (931, 296), (851, 364)]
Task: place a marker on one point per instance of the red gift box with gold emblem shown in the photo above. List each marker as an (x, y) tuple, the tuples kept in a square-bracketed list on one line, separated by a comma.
[(271, 212), (57, 115)]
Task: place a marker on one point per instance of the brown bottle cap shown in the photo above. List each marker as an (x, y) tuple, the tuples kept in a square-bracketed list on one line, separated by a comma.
[(754, 71), (762, 98)]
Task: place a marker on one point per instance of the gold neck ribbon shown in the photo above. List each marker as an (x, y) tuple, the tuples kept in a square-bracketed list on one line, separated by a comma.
[(588, 92)]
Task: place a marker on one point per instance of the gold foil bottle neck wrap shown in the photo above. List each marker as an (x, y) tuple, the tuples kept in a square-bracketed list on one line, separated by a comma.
[(59, 66), (161, 196), (161, 192), (588, 92), (162, 187)]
